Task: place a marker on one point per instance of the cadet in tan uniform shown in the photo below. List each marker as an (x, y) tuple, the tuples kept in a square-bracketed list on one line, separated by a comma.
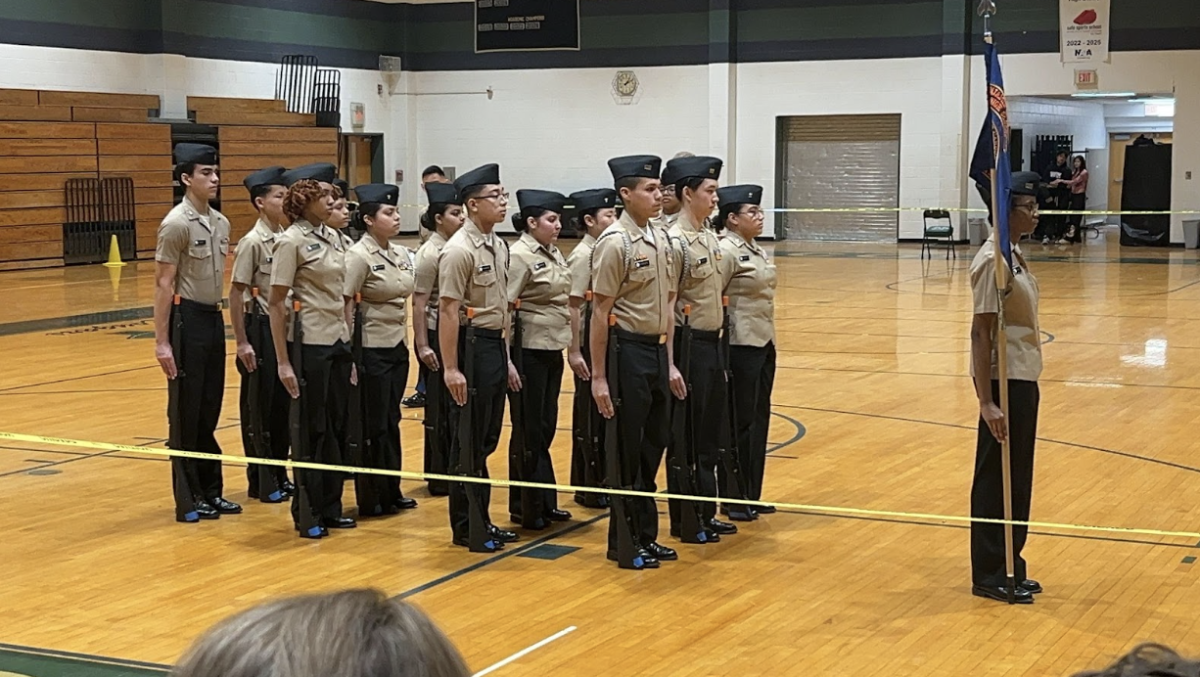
[(632, 279), (442, 219), (672, 203), (264, 421), (193, 242), (748, 278), (988, 568), (383, 273), (473, 273), (596, 211), (432, 175), (539, 279), (697, 255), (310, 263)]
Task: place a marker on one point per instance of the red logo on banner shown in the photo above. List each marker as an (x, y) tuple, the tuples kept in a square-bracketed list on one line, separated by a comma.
[(1086, 18)]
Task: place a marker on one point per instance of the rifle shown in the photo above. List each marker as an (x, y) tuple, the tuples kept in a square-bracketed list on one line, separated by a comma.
[(356, 442), (727, 448), (256, 429), (478, 538), (627, 548), (521, 455), (185, 500), (593, 473), (683, 440), (306, 521)]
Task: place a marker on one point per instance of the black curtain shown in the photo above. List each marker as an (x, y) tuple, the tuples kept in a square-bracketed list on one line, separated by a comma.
[(1147, 187)]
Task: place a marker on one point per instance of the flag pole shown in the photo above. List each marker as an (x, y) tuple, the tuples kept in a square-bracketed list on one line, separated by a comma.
[(987, 9)]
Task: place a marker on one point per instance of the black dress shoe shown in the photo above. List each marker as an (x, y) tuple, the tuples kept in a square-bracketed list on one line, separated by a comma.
[(558, 515), (739, 513), (648, 560), (340, 523), (314, 533), (719, 527), (206, 511), (764, 509), (465, 542), (661, 552), (404, 503), (416, 401), (287, 487), (1031, 586), (1000, 593), (712, 536), (225, 507), (501, 535), (538, 525)]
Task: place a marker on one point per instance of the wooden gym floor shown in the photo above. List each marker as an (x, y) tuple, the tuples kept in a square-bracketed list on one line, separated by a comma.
[(873, 409)]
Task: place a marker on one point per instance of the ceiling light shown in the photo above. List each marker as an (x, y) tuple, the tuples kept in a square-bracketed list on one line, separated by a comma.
[(1103, 95)]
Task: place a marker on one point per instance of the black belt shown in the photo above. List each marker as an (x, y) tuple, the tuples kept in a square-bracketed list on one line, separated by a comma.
[(649, 339), (201, 307), (486, 333)]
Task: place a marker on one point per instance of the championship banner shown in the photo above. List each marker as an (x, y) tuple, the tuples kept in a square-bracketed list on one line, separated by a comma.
[(526, 25), (1084, 30)]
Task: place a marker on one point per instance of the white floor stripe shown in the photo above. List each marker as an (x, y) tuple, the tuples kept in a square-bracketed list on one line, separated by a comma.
[(523, 652)]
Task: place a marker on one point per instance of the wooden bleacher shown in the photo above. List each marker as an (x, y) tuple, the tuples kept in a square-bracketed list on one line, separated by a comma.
[(50, 137)]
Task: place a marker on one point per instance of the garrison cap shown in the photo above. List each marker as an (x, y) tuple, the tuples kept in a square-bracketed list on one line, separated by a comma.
[(598, 198), (195, 153), (442, 193), (746, 194), (541, 199), (698, 167), (271, 176), (382, 193), (641, 166), (487, 175)]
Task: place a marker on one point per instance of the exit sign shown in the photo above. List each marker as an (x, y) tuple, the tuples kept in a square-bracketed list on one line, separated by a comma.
[(1087, 79)]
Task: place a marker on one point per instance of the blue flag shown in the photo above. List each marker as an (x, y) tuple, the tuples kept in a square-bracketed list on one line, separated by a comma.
[(992, 152)]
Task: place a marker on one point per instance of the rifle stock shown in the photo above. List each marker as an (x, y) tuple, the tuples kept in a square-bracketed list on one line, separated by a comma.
[(735, 486), (683, 447), (522, 456), (593, 473), (256, 428), (478, 538), (185, 500), (356, 443), (627, 548), (306, 520)]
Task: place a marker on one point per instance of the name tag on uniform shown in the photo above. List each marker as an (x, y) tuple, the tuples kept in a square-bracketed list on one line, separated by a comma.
[(377, 268), (744, 258), (642, 262), (539, 266), (313, 247), (270, 259), (703, 260), (200, 243), (485, 268), (1017, 269)]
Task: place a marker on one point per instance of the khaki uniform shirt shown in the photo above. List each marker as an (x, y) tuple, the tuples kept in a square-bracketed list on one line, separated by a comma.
[(665, 220), (312, 261), (386, 279), (1020, 312), (423, 233), (639, 275), (473, 269), (253, 260), (580, 263), (749, 280), (539, 277), (697, 255), (197, 245), (427, 276)]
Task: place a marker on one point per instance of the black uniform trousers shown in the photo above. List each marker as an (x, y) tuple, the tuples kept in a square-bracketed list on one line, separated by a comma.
[(987, 490), (706, 397), (586, 439), (753, 380), (200, 389), (437, 423), (326, 375), (272, 407), (488, 377), (385, 374), (643, 423), (539, 392)]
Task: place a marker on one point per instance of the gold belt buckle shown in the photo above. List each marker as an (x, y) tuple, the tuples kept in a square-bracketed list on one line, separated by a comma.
[(662, 339)]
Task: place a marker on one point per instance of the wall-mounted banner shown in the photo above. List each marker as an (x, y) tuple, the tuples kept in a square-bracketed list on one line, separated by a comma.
[(1084, 32), (526, 25)]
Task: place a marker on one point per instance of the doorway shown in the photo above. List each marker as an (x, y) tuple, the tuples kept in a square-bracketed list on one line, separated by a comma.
[(360, 158)]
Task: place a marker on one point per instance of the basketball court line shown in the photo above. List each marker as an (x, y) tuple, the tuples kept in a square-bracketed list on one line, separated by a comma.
[(526, 651)]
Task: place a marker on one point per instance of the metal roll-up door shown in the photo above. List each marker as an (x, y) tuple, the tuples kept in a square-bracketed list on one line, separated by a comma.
[(840, 162)]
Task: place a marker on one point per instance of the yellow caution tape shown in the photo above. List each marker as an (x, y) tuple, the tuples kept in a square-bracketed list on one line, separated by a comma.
[(567, 488)]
